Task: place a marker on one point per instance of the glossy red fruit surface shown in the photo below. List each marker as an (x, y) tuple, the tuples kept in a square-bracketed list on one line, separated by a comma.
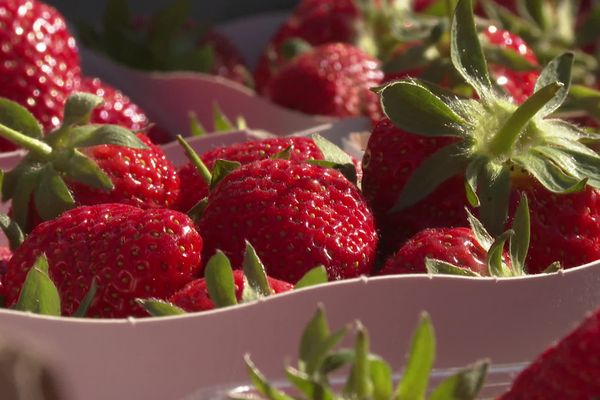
[(391, 157), (333, 79), (457, 246), (141, 177), (128, 251), (193, 187), (5, 256), (570, 369), (194, 296), (39, 60), (296, 215)]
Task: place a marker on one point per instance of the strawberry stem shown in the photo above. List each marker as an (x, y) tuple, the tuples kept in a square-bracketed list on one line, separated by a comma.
[(196, 160), (29, 143), (505, 139)]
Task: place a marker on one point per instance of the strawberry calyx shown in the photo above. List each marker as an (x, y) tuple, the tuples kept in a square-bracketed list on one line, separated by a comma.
[(221, 285), (369, 376), (56, 157), (498, 143), (517, 237)]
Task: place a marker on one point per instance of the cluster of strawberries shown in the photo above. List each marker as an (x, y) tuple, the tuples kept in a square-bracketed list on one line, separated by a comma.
[(466, 143)]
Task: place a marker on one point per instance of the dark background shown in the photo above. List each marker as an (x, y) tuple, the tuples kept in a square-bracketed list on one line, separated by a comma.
[(204, 10)]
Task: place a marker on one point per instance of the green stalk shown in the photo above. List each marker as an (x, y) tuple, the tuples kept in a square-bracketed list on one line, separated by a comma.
[(34, 145), (505, 139), (195, 159)]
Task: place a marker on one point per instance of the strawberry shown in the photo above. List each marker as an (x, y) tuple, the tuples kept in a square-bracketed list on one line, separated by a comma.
[(467, 251), (5, 256), (391, 157), (567, 370), (503, 150), (165, 41), (457, 246), (514, 66), (333, 79), (193, 186), (194, 296), (40, 60), (296, 215), (127, 251), (116, 109), (82, 164)]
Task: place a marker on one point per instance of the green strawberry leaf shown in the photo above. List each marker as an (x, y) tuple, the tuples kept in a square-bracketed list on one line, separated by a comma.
[(311, 388), (79, 107), (86, 302), (587, 31), (262, 385), (495, 261), (195, 159), (198, 59), (12, 230), (415, 379), (316, 342), (38, 294), (435, 267), (549, 175), (580, 162), (334, 157), (293, 47), (381, 378), (221, 169), (466, 52), (18, 118), (481, 234), (222, 123), (284, 154), (197, 210), (434, 170), (507, 57), (219, 280), (159, 308), (558, 70), (28, 180), (315, 276), (472, 172), (464, 385), (358, 384), (494, 192), (336, 360), (81, 168), (412, 106), (519, 242), (583, 98), (196, 128), (106, 134), (254, 272), (51, 196)]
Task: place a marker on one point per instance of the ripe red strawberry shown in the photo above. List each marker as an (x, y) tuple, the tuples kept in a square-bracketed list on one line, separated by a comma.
[(517, 83), (83, 164), (296, 215), (116, 108), (194, 296), (457, 246), (317, 22), (333, 79), (391, 157), (39, 60), (570, 369), (141, 177), (503, 149), (5, 256), (128, 251), (193, 186), (228, 61)]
